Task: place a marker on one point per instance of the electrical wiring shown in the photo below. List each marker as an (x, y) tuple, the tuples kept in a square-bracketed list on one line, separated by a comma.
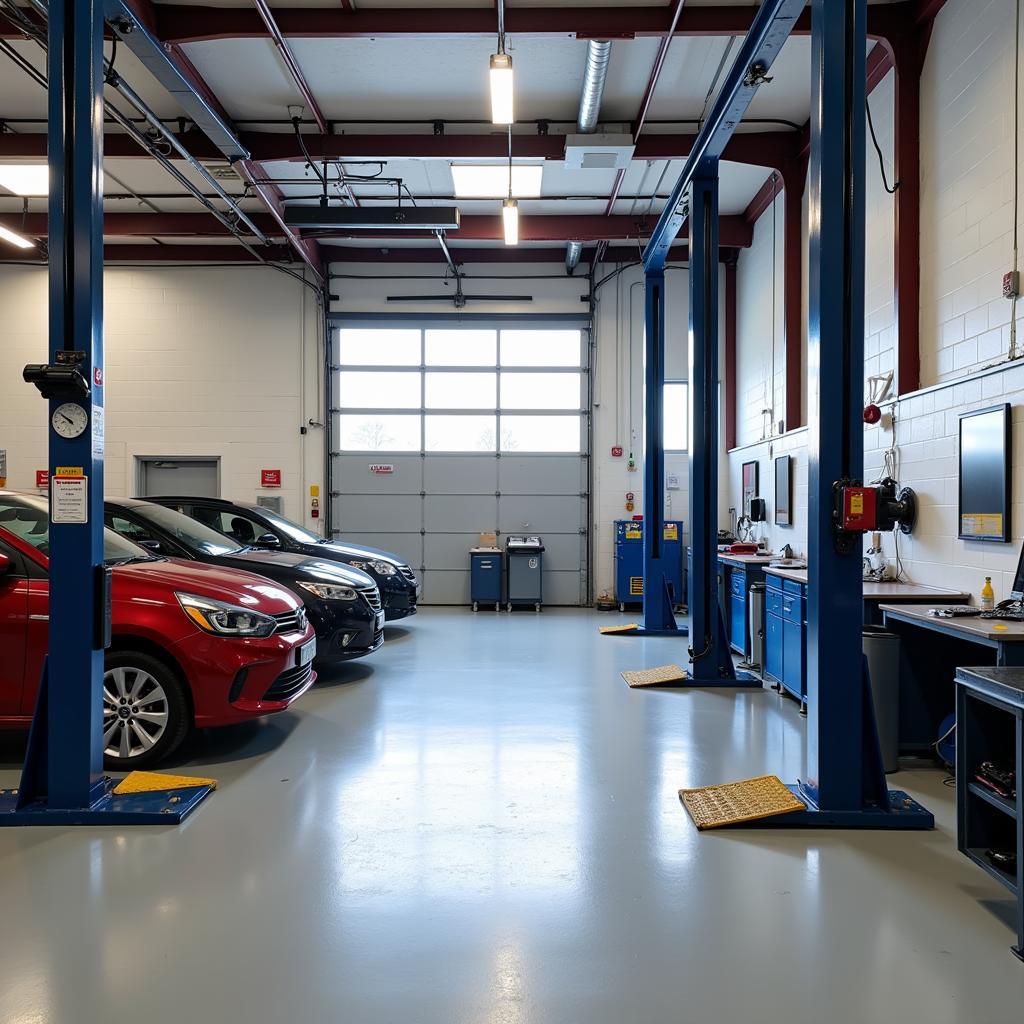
[(878, 149)]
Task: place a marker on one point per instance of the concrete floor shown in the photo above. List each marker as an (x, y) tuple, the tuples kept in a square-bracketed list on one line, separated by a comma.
[(480, 824)]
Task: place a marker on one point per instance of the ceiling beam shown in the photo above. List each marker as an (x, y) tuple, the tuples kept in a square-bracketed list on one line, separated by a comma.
[(468, 256), (179, 23), (734, 231), (761, 149)]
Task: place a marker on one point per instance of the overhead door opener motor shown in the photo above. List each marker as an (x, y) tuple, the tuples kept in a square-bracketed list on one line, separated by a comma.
[(861, 509)]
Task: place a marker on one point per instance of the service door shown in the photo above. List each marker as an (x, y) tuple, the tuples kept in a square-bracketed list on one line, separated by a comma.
[(445, 430)]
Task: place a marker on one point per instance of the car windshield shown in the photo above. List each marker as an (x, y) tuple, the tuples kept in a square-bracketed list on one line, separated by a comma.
[(193, 535), (293, 530), (28, 519)]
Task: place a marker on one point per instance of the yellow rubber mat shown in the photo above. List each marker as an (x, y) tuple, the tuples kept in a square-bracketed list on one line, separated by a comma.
[(628, 627), (654, 676), (155, 782), (736, 802)]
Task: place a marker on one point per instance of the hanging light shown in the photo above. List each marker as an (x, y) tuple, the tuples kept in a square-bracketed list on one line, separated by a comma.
[(15, 239), (501, 76), (510, 217), (501, 88)]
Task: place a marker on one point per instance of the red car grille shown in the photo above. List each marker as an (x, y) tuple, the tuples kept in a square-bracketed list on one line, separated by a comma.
[(289, 683)]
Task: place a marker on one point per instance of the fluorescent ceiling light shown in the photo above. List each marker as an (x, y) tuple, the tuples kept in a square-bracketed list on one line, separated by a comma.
[(510, 216), (25, 179), (490, 181), (15, 239), (501, 89)]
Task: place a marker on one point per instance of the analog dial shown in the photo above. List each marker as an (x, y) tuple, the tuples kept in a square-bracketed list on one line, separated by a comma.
[(70, 420)]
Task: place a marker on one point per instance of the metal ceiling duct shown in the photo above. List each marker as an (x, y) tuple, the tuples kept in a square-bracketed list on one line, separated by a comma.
[(595, 75)]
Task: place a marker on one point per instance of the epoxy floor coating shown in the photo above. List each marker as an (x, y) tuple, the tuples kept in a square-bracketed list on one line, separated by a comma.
[(480, 826)]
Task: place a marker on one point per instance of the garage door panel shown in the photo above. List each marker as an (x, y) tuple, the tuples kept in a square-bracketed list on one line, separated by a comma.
[(469, 513), (562, 551), (442, 586), (464, 474), (541, 512), (367, 512), (562, 587), (449, 551), (541, 474), (352, 474), (408, 546)]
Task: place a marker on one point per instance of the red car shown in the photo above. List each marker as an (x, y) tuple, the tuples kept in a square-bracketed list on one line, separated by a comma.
[(193, 644)]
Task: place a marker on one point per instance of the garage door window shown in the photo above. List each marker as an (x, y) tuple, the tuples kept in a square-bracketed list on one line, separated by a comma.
[(536, 405)]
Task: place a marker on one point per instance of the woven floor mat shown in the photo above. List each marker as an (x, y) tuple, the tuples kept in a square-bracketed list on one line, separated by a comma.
[(736, 802), (654, 676)]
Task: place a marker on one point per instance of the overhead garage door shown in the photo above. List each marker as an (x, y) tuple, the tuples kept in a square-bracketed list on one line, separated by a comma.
[(444, 430)]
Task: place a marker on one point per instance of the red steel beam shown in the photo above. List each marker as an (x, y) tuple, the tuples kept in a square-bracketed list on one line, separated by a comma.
[(761, 149), (179, 23), (734, 232), (730, 352), (792, 289)]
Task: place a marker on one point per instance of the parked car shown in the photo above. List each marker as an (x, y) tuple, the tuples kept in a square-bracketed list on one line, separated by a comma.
[(192, 645), (261, 527), (342, 603)]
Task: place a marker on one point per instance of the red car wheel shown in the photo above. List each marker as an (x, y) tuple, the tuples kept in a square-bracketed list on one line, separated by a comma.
[(145, 712)]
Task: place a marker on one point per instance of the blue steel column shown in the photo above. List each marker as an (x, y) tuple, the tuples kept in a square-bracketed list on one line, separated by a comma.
[(75, 144), (709, 652), (657, 602), (835, 362)]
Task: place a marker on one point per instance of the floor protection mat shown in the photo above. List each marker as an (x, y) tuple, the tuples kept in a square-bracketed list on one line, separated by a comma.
[(654, 676), (156, 782), (735, 802), (624, 629)]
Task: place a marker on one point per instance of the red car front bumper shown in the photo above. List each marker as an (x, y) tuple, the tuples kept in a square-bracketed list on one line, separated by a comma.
[(236, 680)]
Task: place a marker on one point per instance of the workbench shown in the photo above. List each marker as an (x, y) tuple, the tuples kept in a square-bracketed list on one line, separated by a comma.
[(931, 649), (990, 727)]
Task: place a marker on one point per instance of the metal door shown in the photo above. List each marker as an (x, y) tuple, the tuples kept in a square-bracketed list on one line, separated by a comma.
[(198, 477), (430, 506)]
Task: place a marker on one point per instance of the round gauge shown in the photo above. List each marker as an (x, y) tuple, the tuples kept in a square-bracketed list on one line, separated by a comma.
[(70, 420)]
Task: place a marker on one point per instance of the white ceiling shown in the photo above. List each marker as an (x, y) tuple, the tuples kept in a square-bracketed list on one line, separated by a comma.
[(393, 78)]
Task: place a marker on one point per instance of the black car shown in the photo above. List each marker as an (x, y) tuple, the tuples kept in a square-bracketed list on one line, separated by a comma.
[(260, 527), (343, 604)]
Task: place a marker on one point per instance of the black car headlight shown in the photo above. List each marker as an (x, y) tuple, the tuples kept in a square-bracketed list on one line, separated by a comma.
[(330, 591), (222, 619), (376, 566)]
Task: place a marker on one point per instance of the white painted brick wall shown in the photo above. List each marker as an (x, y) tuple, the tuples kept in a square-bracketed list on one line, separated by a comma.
[(198, 362)]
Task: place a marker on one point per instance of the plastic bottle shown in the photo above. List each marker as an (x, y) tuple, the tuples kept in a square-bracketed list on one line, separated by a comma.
[(988, 596)]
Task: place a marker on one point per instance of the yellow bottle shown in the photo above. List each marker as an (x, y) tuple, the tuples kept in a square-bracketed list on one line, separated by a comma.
[(988, 596)]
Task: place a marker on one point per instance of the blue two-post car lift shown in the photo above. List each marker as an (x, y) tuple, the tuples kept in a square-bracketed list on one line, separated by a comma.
[(846, 785), (62, 781)]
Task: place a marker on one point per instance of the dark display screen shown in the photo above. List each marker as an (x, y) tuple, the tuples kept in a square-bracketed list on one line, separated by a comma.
[(985, 474)]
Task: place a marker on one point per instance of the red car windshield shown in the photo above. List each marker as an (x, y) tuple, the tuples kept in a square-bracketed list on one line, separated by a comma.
[(28, 519)]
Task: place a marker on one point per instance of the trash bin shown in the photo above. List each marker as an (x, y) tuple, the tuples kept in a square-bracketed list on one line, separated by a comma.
[(882, 650), (755, 627), (524, 567)]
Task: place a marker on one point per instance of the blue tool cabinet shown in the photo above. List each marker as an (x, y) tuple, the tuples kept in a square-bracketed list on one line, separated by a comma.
[(485, 577), (785, 659), (629, 561), (738, 578)]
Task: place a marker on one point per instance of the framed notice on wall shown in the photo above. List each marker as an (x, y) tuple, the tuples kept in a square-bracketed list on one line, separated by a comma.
[(984, 501)]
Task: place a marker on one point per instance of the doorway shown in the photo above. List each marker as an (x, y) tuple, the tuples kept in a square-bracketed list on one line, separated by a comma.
[(196, 477)]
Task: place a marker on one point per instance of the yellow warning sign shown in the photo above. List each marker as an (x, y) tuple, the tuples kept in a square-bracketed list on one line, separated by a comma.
[(981, 524), (69, 471), (314, 490), (856, 504), (671, 531), (633, 534)]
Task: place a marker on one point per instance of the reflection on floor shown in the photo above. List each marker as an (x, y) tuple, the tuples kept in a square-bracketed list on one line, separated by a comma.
[(480, 824)]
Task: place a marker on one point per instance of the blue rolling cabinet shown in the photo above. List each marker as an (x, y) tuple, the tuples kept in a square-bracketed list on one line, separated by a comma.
[(629, 560), (785, 655), (485, 577), (740, 573)]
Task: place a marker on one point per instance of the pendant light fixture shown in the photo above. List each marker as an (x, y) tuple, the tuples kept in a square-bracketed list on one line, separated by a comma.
[(501, 76), (510, 207)]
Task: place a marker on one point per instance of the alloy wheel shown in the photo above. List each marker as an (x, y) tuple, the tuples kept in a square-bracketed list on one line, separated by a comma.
[(135, 712)]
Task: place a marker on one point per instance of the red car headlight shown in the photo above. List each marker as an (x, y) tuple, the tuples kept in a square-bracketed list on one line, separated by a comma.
[(222, 619)]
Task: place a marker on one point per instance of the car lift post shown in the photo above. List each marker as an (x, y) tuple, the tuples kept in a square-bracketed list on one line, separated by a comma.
[(62, 781), (659, 619)]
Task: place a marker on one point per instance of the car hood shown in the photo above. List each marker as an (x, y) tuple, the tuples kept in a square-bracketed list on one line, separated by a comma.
[(345, 550), (149, 581), (308, 566)]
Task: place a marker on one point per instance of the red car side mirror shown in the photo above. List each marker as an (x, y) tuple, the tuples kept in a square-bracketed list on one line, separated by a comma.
[(5, 564)]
